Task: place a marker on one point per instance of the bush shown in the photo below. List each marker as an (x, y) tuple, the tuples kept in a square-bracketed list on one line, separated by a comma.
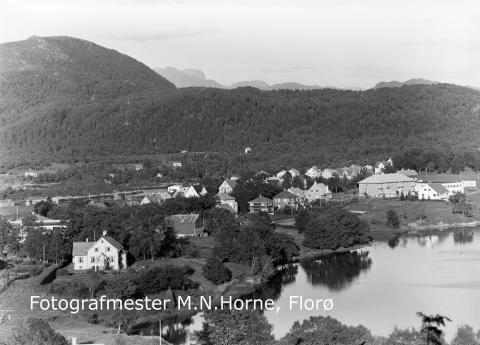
[(215, 271), (392, 219), (38, 332), (62, 272)]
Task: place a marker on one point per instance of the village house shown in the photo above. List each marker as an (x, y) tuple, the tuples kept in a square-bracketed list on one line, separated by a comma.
[(32, 200), (7, 203), (31, 173), (294, 172), (174, 188), (281, 174), (386, 185), (431, 191), (156, 198), (235, 177), (187, 225), (300, 193), (38, 222), (349, 172), (285, 198), (261, 204), (227, 186), (318, 191), (328, 173), (313, 172), (226, 199), (274, 181), (379, 166), (106, 253), (176, 164)]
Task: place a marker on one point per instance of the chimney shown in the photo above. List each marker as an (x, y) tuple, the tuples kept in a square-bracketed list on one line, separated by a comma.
[(74, 341), (104, 232), (86, 240)]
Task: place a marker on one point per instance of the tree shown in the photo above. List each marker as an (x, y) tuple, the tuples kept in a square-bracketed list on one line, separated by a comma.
[(466, 336), (392, 219), (234, 327), (287, 180), (325, 330), (37, 332), (334, 228), (215, 271), (431, 327), (458, 163), (124, 319)]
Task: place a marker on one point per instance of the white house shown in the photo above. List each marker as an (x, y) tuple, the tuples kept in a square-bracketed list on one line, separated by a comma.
[(281, 174), (31, 173), (225, 199), (227, 186), (328, 173), (431, 191), (294, 172), (174, 188), (318, 191), (453, 183), (176, 164), (314, 172), (106, 253), (379, 166), (300, 193)]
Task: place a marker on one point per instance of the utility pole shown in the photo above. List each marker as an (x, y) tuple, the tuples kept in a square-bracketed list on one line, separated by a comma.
[(160, 331), (43, 253)]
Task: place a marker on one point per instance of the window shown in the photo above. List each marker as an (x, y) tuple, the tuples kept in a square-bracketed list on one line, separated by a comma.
[(80, 260), (111, 259), (92, 260), (108, 249), (96, 249)]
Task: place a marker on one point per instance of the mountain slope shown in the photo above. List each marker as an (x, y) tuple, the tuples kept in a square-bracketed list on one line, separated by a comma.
[(47, 71), (88, 112)]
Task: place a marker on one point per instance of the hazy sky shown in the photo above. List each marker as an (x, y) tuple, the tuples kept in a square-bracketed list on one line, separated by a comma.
[(343, 43)]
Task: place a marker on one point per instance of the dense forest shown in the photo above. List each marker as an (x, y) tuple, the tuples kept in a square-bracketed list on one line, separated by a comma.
[(64, 99)]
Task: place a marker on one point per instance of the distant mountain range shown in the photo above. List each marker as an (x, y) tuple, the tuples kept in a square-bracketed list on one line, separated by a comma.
[(394, 83), (197, 78)]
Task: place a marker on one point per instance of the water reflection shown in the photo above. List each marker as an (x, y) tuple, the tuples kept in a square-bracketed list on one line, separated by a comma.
[(464, 236), (274, 287), (174, 330), (337, 271)]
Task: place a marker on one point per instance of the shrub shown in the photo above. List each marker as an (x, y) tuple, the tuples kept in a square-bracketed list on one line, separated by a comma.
[(38, 332), (392, 219), (62, 272), (215, 271)]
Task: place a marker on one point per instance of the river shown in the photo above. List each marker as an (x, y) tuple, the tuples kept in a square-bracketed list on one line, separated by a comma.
[(380, 286)]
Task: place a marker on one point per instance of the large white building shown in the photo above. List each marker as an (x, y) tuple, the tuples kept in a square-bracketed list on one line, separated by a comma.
[(106, 253), (431, 191), (386, 185)]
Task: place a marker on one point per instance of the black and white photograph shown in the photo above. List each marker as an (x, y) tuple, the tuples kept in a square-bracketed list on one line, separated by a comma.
[(239, 172)]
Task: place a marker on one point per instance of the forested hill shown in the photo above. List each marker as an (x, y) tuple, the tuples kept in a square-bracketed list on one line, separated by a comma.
[(43, 73), (116, 106)]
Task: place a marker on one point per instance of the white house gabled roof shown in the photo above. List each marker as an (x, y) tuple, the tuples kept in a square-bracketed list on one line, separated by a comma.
[(81, 248), (387, 178)]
